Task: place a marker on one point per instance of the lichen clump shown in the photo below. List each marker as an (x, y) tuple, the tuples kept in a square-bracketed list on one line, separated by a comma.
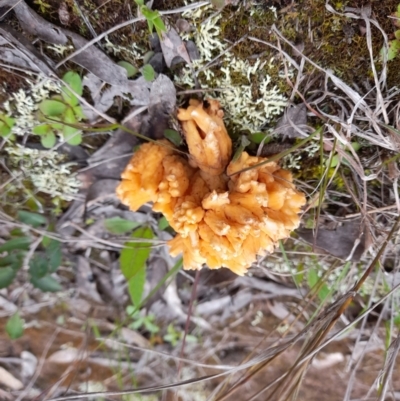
[(46, 169), (248, 93), (23, 105), (225, 212)]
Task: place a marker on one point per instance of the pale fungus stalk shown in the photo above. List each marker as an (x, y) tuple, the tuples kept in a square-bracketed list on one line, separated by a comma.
[(222, 219)]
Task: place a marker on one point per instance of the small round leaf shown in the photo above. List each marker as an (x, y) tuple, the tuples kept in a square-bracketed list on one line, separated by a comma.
[(75, 82), (46, 284), (42, 129), (173, 136), (130, 69), (7, 275), (148, 73), (48, 140), (15, 327), (52, 108)]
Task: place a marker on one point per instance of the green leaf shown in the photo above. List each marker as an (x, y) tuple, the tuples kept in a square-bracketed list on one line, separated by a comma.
[(243, 143), (313, 281), (134, 255), (75, 140), (71, 134), (392, 50), (13, 260), (7, 275), (133, 263), (149, 14), (150, 326), (21, 243), (69, 118), (333, 162), (323, 292), (298, 278), (173, 136), (4, 129), (75, 82), (52, 108), (57, 126), (78, 113), (42, 129), (15, 327), (148, 56), (46, 284), (48, 140), (38, 266), (130, 69), (116, 225), (171, 273), (171, 338), (150, 24), (167, 276), (137, 324), (148, 73), (32, 219), (53, 255), (312, 278), (163, 223), (132, 312), (159, 25), (8, 261), (6, 124), (191, 339), (136, 286), (258, 137)]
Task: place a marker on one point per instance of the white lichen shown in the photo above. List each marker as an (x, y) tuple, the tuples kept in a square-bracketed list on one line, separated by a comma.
[(207, 38), (60, 49), (23, 104), (92, 386), (46, 169), (116, 50), (195, 392), (293, 161), (245, 89)]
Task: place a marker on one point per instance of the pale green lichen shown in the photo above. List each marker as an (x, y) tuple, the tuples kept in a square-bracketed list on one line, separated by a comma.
[(134, 51), (61, 50), (92, 386), (46, 169), (195, 392), (207, 38), (245, 89), (24, 104), (293, 161)]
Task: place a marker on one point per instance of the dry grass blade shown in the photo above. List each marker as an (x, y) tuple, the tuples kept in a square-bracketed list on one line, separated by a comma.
[(126, 23), (272, 334), (316, 331), (387, 371)]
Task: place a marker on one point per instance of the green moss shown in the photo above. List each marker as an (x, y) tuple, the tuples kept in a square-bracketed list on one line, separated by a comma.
[(330, 40)]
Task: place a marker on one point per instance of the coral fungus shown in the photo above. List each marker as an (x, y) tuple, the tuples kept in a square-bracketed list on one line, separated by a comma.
[(225, 213)]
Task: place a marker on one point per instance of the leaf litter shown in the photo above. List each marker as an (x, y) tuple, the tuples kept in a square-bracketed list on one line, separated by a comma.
[(92, 59), (347, 241), (106, 164)]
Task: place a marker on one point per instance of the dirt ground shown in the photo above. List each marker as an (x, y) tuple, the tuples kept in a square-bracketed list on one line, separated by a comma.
[(304, 83)]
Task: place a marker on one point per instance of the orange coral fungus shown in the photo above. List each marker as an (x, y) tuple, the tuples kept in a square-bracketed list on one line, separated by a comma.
[(223, 216), (209, 144)]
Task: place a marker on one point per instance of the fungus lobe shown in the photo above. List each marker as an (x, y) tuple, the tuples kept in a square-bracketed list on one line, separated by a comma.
[(224, 212)]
